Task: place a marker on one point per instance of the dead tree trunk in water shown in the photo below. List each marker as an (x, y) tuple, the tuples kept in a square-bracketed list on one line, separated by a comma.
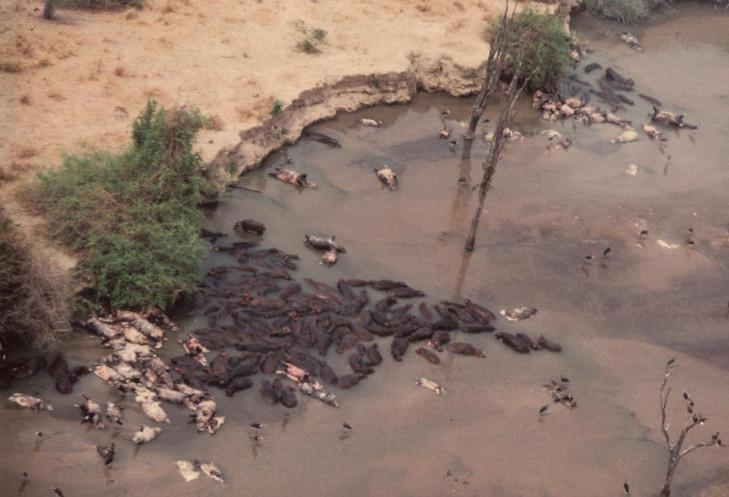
[(492, 74), (518, 82), (489, 164), (676, 452), (49, 9)]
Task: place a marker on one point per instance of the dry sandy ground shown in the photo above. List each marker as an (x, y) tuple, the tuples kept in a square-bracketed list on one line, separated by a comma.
[(78, 82)]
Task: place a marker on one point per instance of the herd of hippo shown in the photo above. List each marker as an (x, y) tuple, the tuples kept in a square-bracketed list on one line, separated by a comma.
[(255, 306), (260, 320)]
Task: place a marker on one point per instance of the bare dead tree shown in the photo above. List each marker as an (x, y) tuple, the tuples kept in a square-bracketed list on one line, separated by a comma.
[(49, 9), (676, 452), (520, 79), (493, 72), (489, 165)]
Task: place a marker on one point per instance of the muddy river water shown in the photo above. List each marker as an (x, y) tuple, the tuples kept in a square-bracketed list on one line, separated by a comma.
[(619, 318)]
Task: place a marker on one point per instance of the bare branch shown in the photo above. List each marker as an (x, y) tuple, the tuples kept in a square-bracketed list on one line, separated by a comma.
[(675, 452), (698, 446)]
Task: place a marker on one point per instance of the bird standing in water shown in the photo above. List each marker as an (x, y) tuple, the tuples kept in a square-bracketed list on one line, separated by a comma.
[(106, 453)]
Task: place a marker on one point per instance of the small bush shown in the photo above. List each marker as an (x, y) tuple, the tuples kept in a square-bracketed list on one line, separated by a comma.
[(544, 45), (312, 38), (32, 297), (625, 11), (213, 122), (276, 107), (11, 67), (132, 216)]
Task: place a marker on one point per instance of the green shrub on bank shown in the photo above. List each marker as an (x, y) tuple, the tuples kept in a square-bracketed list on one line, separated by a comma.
[(133, 216), (544, 45), (625, 11), (32, 298)]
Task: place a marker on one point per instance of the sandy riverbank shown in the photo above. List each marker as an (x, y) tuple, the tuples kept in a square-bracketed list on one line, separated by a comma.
[(78, 82)]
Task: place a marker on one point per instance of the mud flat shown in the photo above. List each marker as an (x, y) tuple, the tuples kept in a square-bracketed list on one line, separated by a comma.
[(619, 318)]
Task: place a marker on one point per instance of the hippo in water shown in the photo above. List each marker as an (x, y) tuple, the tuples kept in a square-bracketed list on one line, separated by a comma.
[(250, 226), (464, 349), (428, 355), (323, 243)]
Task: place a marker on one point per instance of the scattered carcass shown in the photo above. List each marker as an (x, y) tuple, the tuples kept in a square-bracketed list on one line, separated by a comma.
[(670, 119), (145, 434), (630, 40), (627, 136), (31, 402), (387, 177), (292, 177)]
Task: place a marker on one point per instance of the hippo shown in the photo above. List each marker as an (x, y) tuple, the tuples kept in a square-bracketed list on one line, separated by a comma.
[(440, 338), (398, 347), (423, 333), (250, 226), (428, 355), (405, 292), (323, 243), (237, 384), (327, 374), (349, 380), (527, 340), (288, 397), (547, 344), (512, 342), (464, 349), (617, 80), (373, 354), (322, 138)]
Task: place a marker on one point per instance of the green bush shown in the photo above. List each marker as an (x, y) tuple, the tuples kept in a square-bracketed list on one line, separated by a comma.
[(311, 38), (543, 44), (133, 216), (625, 11)]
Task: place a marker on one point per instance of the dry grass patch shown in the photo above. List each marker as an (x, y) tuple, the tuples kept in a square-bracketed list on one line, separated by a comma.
[(11, 67), (27, 152), (213, 123), (33, 296)]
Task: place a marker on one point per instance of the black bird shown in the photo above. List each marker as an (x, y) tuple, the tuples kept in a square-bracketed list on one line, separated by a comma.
[(643, 233), (564, 379), (588, 258), (626, 488), (256, 426), (347, 426), (106, 453), (58, 492), (686, 396), (543, 410), (606, 251)]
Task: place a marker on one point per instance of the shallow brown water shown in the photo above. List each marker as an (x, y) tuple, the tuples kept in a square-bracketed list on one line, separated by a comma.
[(619, 320)]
